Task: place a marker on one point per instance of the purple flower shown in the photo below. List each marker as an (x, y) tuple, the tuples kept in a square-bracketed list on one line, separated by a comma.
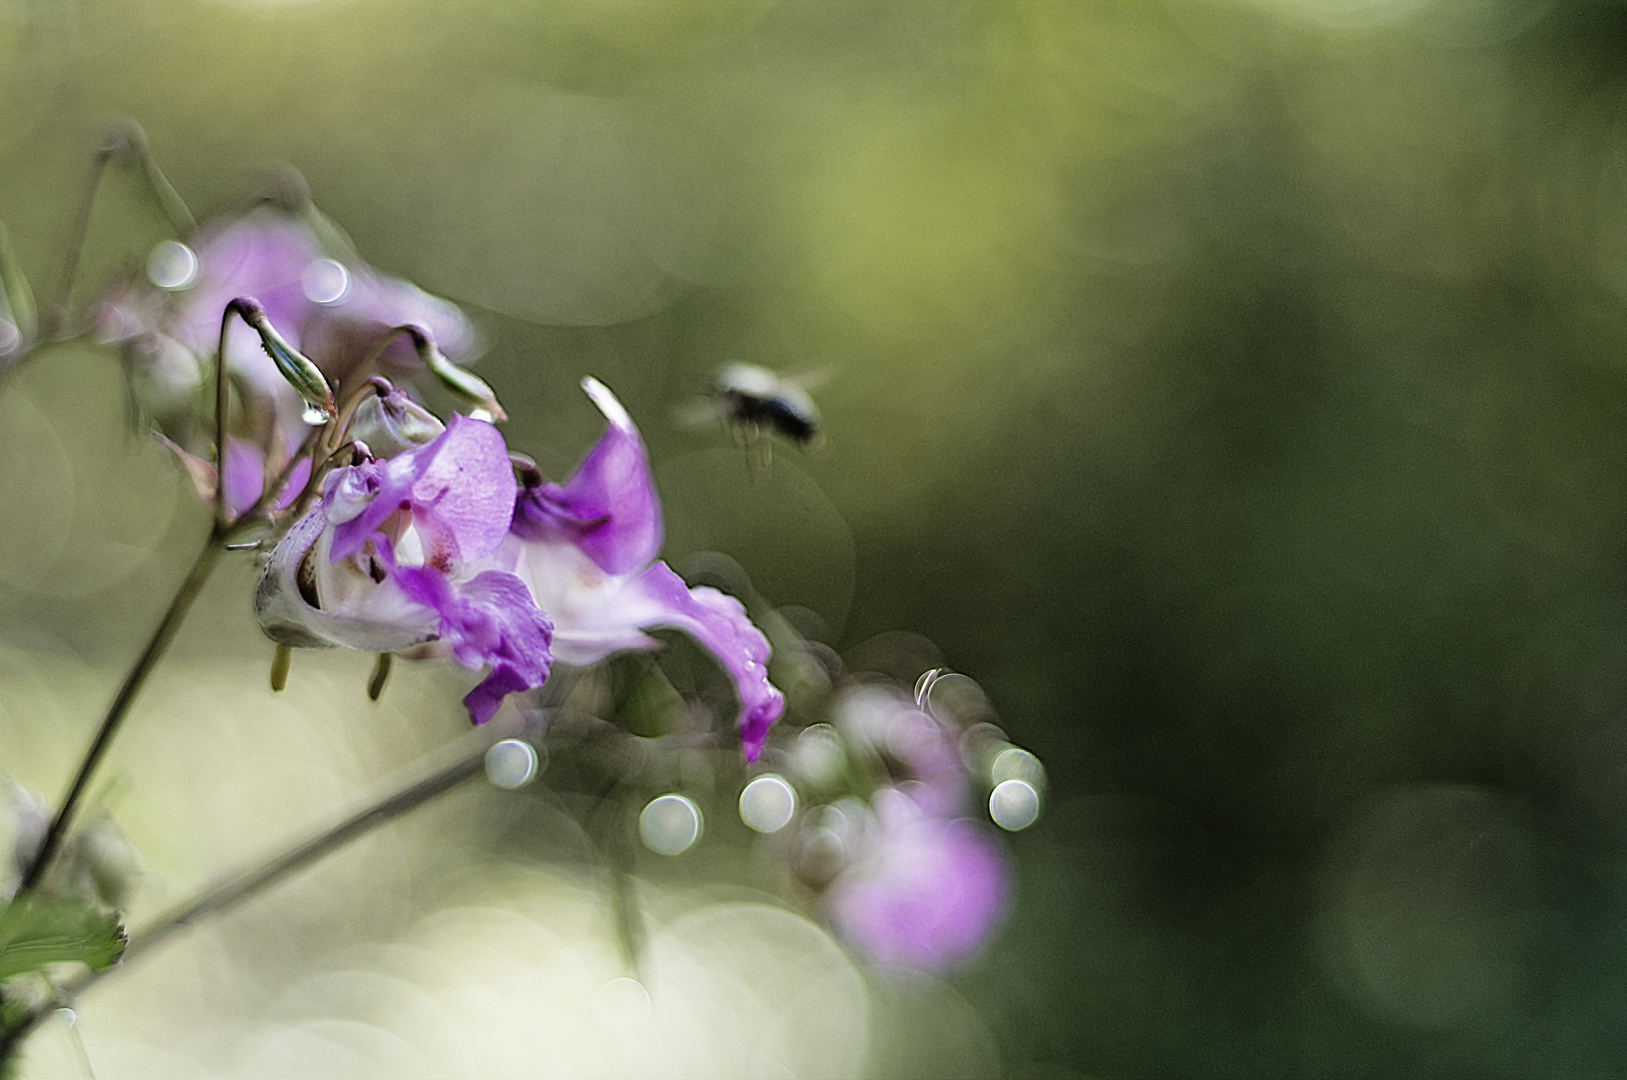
[(924, 893), (586, 550), (384, 562), (921, 753), (330, 306)]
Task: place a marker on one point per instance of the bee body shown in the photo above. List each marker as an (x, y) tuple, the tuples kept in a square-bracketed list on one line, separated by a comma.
[(754, 399)]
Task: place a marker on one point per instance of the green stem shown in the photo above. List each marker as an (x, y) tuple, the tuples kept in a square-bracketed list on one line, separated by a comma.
[(143, 667), (460, 763), (237, 887)]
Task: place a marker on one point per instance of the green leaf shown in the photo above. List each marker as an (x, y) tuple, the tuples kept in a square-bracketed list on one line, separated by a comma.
[(35, 932)]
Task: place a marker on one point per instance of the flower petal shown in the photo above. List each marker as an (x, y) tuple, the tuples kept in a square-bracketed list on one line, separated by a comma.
[(926, 895), (463, 480), (306, 600), (718, 623), (245, 475), (609, 508), (489, 619)]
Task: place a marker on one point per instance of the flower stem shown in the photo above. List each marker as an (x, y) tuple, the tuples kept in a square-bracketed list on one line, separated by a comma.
[(116, 712), (234, 888), (451, 767)]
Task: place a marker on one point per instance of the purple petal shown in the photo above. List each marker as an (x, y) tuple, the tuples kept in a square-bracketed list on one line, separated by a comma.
[(297, 478), (307, 601), (261, 256), (718, 623), (245, 476), (462, 482), (884, 718), (490, 619), (371, 303), (609, 507), (926, 896)]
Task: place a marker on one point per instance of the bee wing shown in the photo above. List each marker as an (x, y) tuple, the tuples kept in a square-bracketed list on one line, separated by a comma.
[(698, 413), (813, 379)]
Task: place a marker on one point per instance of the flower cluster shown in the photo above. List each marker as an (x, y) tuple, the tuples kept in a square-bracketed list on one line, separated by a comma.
[(411, 534), (882, 838), (320, 298)]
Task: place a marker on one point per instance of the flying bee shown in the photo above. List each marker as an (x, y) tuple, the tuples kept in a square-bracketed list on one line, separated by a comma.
[(753, 399)]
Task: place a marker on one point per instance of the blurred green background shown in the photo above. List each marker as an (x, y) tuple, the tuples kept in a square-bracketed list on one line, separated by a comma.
[(1238, 391)]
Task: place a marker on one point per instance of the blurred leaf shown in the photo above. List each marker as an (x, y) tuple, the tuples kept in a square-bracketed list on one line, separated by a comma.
[(36, 932)]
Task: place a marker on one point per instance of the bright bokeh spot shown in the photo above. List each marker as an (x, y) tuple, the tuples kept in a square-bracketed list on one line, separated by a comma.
[(768, 803), (172, 265), (622, 1005), (1015, 763), (670, 824), (818, 756), (511, 763), (1014, 805), (325, 282)]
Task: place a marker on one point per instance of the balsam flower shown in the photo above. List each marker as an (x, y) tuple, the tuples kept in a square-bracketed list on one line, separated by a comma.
[(924, 893), (586, 551), (387, 559), (903, 877)]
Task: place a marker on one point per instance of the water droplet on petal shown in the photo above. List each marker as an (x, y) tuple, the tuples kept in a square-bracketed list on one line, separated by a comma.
[(670, 824), (511, 763), (1014, 805), (325, 282), (314, 416), (768, 803), (172, 265), (621, 1005)]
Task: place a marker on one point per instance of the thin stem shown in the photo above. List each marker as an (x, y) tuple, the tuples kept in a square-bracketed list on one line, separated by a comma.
[(458, 764), (156, 645), (124, 140), (57, 311), (235, 888), (222, 404)]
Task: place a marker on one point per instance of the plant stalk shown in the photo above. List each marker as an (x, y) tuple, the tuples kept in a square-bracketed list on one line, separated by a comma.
[(116, 712)]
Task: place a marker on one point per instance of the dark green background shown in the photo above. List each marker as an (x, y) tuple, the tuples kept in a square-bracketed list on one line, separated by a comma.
[(1236, 390)]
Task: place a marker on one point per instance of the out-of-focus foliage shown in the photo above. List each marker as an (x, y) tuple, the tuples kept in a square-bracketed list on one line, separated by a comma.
[(1237, 389)]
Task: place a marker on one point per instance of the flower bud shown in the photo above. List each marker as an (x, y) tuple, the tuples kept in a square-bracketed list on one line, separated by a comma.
[(393, 423), (463, 384), (300, 372)]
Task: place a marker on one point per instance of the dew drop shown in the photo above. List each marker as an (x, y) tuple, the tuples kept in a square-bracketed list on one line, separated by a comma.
[(172, 265), (325, 282), (768, 803), (670, 824), (511, 763), (1014, 805), (314, 416)]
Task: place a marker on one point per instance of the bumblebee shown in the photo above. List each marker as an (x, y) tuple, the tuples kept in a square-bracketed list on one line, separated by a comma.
[(754, 399)]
